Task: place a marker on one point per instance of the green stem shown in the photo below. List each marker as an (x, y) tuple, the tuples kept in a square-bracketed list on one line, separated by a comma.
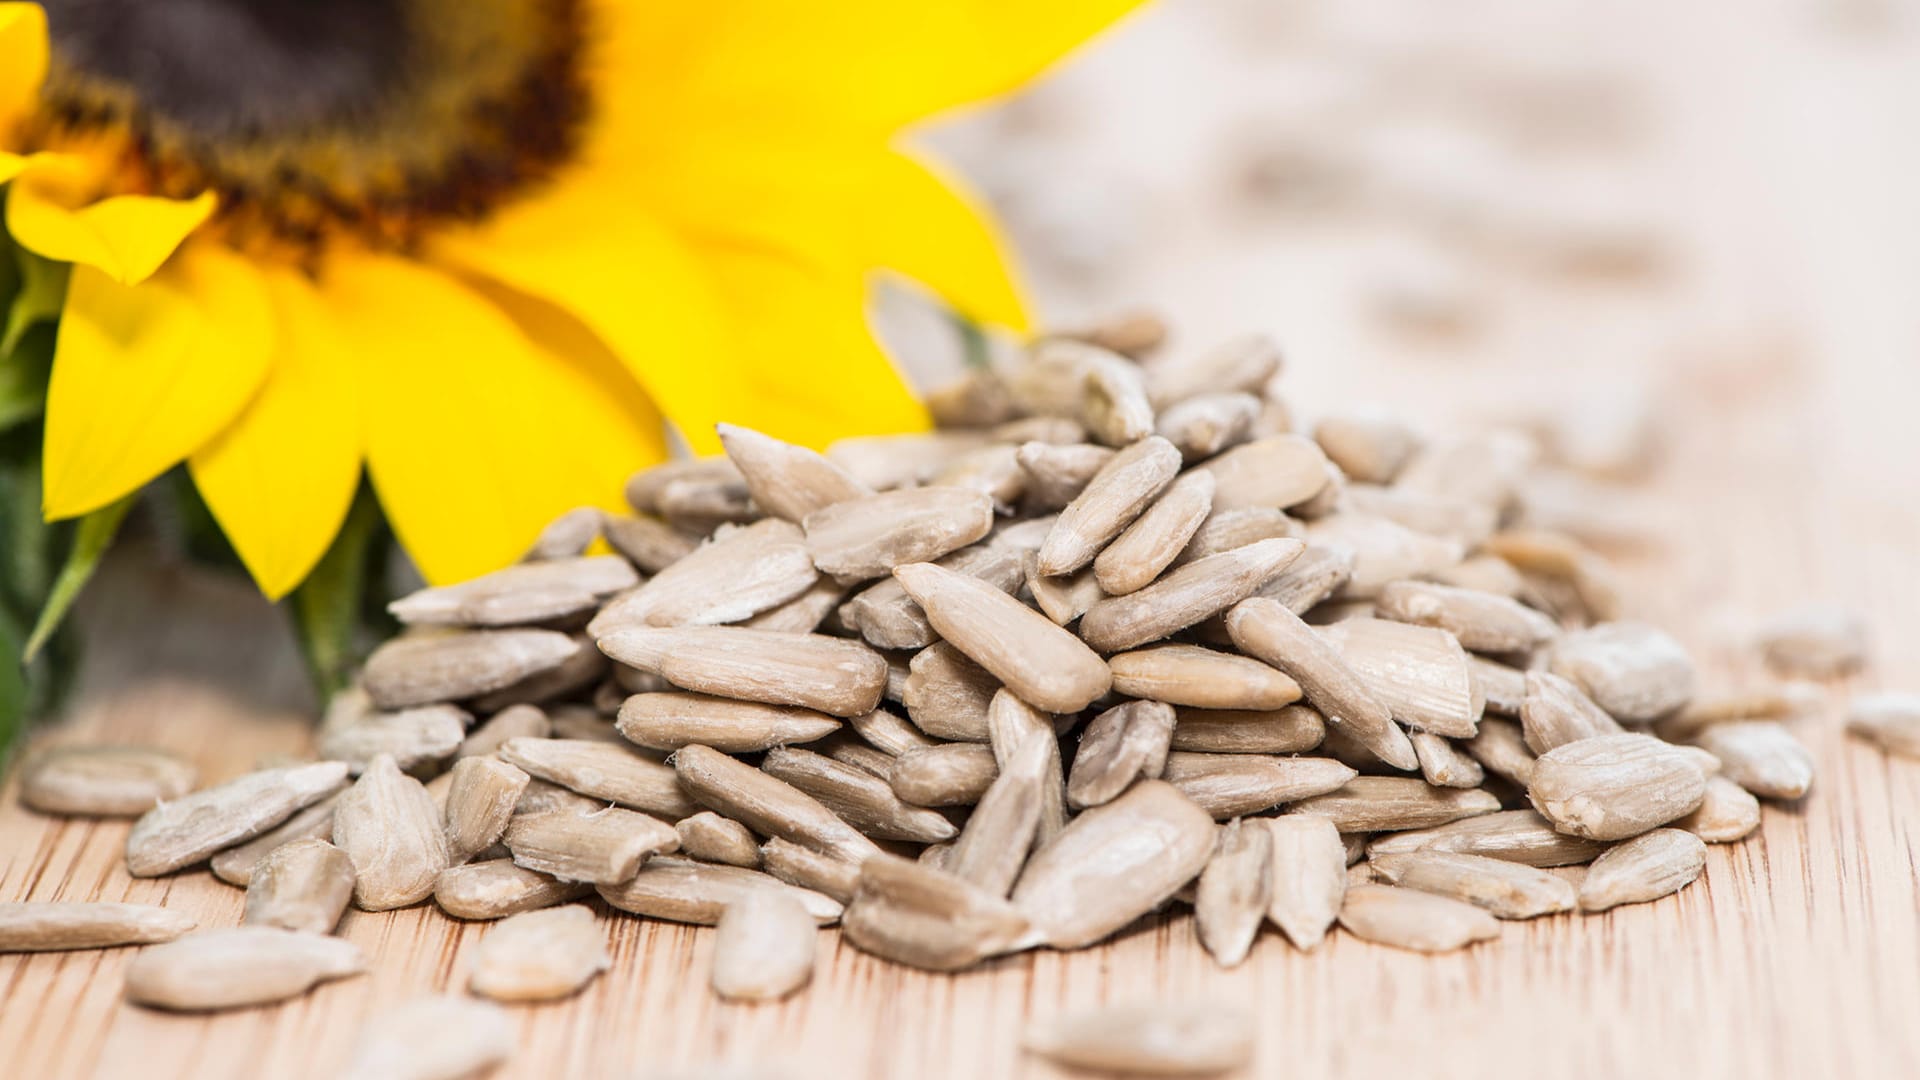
[(326, 607), (90, 543)]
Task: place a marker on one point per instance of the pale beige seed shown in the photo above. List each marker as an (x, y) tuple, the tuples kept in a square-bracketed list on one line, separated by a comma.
[(1414, 920), (602, 771), (1728, 812), (673, 719), (1467, 524), (763, 948), (1890, 721), (808, 869), (51, 926), (1520, 836), (586, 723), (540, 955), (1234, 891), (711, 838), (804, 613), (1120, 492), (432, 1038), (1151, 543), (1445, 764), (1380, 803), (869, 536), (1630, 669), (1052, 379), (1113, 864), (1816, 642), (1056, 475), (1132, 334), (947, 695), (1186, 596), (527, 593), (785, 480), (235, 865), (1319, 572), (480, 802), (1224, 530), (1054, 430), (1383, 550), (1482, 573), (837, 677), (1555, 712), (1245, 363), (512, 722), (1309, 877), (1784, 701), (103, 781), (1066, 598), (935, 855), (1478, 466), (497, 888), (978, 398), (603, 847), (209, 970), (1206, 424), (1420, 674), (927, 918), (1369, 445), (883, 462), (1177, 1038), (1125, 743), (766, 804), (648, 543), (1003, 827), (951, 774), (1648, 867), (412, 737), (1042, 663), (304, 885), (850, 751), (432, 668), (1202, 678), (734, 576), (183, 831), (1562, 558), (1230, 785), (587, 667), (1009, 723), (1509, 890), (1483, 622), (1024, 535), (1232, 731), (685, 891), (1761, 756), (1113, 402), (1268, 631), (704, 504), (388, 825), (1503, 687), (1502, 750), (862, 799), (644, 487), (566, 536), (887, 733), (888, 618), (1611, 787), (1276, 472)]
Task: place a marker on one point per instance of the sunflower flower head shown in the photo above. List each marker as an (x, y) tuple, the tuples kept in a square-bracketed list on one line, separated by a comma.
[(486, 249)]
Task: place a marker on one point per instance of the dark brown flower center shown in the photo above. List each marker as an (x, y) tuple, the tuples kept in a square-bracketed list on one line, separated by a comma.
[(320, 119)]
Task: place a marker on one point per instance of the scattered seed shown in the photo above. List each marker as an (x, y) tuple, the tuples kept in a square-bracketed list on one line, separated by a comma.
[(602, 771), (1123, 744), (1630, 669), (927, 918), (763, 948), (209, 970), (890, 619), (1761, 756), (814, 671), (1045, 665), (432, 1038), (1382, 803), (1309, 876), (1062, 599), (1611, 787), (540, 955), (388, 826), (684, 891), (1234, 891), (1410, 919), (1648, 867), (673, 719), (1113, 864), (1159, 1039), (1890, 721), (1816, 642), (868, 537), (604, 847), (480, 802), (432, 668), (304, 885), (1204, 678), (1509, 890), (103, 781), (1728, 812), (711, 838), (766, 804), (424, 735), (497, 888), (1009, 723), (51, 926), (186, 830)]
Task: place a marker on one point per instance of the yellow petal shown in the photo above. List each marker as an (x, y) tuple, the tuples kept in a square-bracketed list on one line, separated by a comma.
[(280, 479), (23, 60), (125, 237), (144, 375), (929, 227), (587, 249), (477, 435)]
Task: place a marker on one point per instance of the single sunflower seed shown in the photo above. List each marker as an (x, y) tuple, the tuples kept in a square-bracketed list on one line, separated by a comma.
[(1155, 538), (1120, 492), (888, 733), (1194, 592), (1240, 731), (1277, 471), (1630, 669), (1727, 812), (1200, 677), (51, 926), (1045, 665), (427, 669), (648, 543), (304, 885), (1520, 836), (210, 970), (1819, 641), (814, 671), (1503, 687), (390, 829), (1501, 748), (1444, 764), (1234, 891), (708, 837), (868, 537), (951, 774), (1555, 712), (1481, 621), (1002, 829), (480, 802), (766, 804), (1890, 721), (684, 891), (947, 695), (763, 947), (603, 847), (1056, 475), (1230, 785), (602, 771), (1420, 674), (888, 618), (1648, 867), (1382, 803), (512, 722), (862, 799), (432, 1038), (1611, 787), (1509, 890), (734, 576), (1268, 631), (1309, 876), (235, 865), (497, 888), (103, 781), (785, 480), (1369, 445), (1410, 919), (520, 595), (994, 471), (423, 735), (183, 831), (539, 955), (1207, 424), (1010, 722), (672, 719), (928, 918), (1125, 743), (1761, 756), (808, 869), (1066, 598), (566, 536), (1157, 1039)]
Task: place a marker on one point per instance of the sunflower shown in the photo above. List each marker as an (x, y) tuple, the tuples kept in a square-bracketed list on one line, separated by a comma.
[(488, 249)]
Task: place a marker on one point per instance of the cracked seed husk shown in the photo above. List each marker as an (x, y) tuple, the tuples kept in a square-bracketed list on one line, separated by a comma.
[(1239, 731), (1202, 678), (210, 970), (1234, 891), (1047, 666), (928, 918), (868, 537), (1420, 674), (103, 781), (951, 774), (1123, 744), (1309, 879), (708, 837), (1120, 492), (1414, 920), (1196, 591), (539, 955), (763, 948), (1267, 631), (1521, 836), (1630, 669), (1761, 756), (480, 801), (497, 888), (1157, 1039), (186, 830), (1382, 803), (785, 480), (1230, 785), (1648, 867), (1509, 890), (304, 885), (603, 771), (1114, 863), (766, 804), (862, 799), (31, 926), (1155, 538), (684, 891), (1555, 712), (1611, 787), (389, 827), (431, 668), (672, 719), (1727, 812), (432, 1038), (813, 671)]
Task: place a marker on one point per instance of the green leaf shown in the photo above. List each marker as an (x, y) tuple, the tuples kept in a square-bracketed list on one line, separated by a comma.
[(23, 376), (16, 700), (27, 540), (327, 606), (975, 351), (90, 543), (42, 294)]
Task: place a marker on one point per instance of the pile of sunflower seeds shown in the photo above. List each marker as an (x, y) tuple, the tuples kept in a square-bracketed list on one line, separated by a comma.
[(1115, 637)]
